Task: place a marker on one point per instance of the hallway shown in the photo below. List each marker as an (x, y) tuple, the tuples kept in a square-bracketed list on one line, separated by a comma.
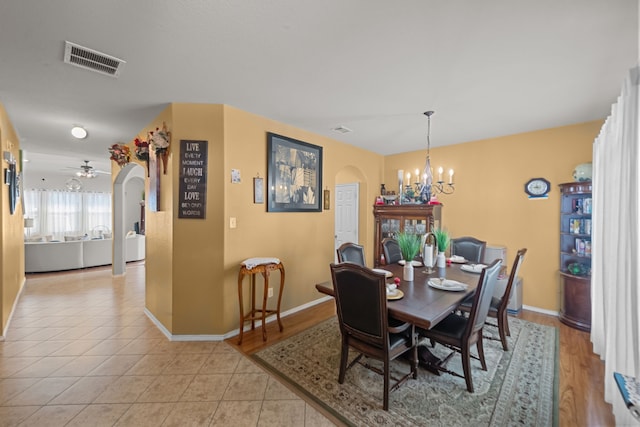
[(80, 351)]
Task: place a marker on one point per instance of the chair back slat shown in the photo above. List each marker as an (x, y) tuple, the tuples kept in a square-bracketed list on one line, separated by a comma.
[(483, 295), (351, 252), (512, 279), (470, 248), (391, 248), (361, 301)]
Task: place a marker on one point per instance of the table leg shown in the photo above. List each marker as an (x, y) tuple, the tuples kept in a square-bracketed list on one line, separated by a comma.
[(253, 301), (240, 277), (428, 360), (280, 297), (264, 304)]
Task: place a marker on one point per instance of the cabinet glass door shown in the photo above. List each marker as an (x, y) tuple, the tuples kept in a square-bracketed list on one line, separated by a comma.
[(417, 226), (390, 227)]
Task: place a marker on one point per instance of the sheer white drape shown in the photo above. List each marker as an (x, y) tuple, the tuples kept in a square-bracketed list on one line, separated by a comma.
[(615, 300), (66, 213)]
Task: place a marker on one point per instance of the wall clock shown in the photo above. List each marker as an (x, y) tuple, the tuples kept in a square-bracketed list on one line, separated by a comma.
[(537, 187)]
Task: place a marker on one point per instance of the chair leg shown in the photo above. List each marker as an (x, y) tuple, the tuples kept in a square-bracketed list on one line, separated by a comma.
[(344, 355), (466, 368), (414, 361), (385, 402), (506, 324), (503, 329), (480, 348)]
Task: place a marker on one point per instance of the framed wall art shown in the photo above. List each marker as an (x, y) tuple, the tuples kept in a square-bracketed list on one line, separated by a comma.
[(294, 170), (258, 190)]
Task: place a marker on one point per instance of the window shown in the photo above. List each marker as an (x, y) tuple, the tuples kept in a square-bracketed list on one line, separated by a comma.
[(64, 213)]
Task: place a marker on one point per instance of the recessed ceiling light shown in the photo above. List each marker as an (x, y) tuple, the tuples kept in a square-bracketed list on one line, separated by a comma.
[(79, 132)]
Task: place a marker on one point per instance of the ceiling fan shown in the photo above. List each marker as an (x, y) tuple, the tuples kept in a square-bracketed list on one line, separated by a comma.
[(88, 171)]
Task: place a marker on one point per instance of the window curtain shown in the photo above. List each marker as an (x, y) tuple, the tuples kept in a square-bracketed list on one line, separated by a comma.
[(67, 213), (615, 300)]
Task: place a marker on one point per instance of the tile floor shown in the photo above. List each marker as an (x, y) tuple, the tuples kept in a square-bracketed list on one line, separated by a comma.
[(80, 352)]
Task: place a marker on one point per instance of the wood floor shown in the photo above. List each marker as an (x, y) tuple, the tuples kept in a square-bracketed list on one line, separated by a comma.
[(581, 399)]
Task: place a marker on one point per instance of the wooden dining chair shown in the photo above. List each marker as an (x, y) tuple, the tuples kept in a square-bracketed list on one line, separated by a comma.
[(351, 252), (459, 332), (361, 301), (468, 247), (498, 307), (391, 250)]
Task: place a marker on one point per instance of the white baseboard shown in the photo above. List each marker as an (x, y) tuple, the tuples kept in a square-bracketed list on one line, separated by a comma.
[(233, 332), (13, 308), (541, 310)]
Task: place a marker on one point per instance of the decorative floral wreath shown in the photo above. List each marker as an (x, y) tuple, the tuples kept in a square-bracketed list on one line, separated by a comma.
[(141, 150), (120, 154), (159, 140)]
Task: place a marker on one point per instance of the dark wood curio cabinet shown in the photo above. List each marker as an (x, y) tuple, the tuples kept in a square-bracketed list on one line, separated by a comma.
[(575, 254), (392, 219)]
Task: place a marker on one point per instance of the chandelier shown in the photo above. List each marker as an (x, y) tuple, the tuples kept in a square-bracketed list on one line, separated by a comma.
[(425, 186), (86, 173)]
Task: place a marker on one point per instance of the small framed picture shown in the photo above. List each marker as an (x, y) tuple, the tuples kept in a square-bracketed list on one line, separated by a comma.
[(258, 190)]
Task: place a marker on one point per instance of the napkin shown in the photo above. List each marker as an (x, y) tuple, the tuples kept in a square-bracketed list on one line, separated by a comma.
[(447, 284), (253, 262), (475, 268)]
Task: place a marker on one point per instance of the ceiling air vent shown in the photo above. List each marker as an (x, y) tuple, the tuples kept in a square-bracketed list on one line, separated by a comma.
[(342, 129), (90, 59)]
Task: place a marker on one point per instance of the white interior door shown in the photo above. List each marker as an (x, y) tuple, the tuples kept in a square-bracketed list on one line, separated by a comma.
[(346, 203)]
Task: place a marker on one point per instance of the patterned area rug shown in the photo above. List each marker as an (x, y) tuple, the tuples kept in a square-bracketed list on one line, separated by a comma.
[(520, 387)]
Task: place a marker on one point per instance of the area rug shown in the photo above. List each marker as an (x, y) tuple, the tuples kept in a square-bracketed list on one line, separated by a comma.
[(520, 386)]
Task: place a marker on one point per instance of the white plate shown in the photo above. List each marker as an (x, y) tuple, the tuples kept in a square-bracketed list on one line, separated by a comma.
[(387, 273), (457, 259), (447, 285), (414, 263), (473, 268)]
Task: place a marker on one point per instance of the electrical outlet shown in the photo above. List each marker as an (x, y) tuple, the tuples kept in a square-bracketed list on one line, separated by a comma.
[(232, 222), (270, 294)]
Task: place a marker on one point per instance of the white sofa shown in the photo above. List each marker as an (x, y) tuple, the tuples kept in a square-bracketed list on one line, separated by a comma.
[(58, 256)]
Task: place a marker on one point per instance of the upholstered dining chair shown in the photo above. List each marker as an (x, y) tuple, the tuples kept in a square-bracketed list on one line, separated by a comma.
[(391, 250), (459, 332), (361, 301), (351, 252), (470, 248), (498, 307)]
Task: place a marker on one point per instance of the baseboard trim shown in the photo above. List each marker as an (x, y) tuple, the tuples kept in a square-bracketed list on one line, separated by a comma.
[(13, 308), (232, 333), (541, 310)]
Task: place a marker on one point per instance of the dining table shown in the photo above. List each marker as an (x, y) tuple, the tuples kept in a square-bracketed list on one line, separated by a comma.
[(422, 304)]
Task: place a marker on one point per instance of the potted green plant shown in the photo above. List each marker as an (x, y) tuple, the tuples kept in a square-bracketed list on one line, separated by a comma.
[(409, 244), (442, 242), (442, 239)]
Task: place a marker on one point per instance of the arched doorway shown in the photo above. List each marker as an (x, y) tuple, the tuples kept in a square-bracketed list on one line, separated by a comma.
[(128, 180)]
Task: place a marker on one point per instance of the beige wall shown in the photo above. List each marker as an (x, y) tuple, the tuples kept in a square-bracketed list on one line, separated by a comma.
[(302, 240), (490, 203), (12, 230), (192, 264)]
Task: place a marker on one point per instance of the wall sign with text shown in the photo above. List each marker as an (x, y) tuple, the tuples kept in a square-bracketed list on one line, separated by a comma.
[(192, 196)]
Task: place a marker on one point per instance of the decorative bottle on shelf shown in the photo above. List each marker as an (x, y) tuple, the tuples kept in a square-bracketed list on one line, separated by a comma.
[(383, 191), (441, 263)]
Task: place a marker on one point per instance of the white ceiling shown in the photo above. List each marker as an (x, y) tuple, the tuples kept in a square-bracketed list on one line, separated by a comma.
[(488, 68)]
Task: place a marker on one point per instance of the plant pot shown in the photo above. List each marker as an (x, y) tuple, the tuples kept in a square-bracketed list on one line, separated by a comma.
[(407, 272), (441, 263)]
